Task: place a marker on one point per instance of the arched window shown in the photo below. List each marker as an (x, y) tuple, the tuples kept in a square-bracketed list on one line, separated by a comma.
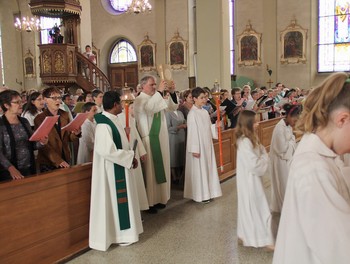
[(334, 35), (116, 7), (123, 52), (120, 5)]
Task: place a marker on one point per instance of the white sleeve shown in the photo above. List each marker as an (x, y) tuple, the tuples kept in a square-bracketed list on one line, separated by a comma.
[(105, 147)]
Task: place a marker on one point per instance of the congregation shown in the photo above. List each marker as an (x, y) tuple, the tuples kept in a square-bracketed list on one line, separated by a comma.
[(169, 143)]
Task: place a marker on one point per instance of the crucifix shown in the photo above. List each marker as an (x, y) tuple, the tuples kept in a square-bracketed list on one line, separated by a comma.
[(270, 82)]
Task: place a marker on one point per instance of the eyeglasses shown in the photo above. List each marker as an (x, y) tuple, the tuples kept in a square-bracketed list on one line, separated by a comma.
[(16, 102), (55, 98)]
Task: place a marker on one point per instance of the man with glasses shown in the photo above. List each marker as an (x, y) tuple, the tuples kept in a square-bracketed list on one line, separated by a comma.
[(56, 153)]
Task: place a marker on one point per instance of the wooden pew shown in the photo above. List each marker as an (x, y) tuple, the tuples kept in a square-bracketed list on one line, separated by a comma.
[(45, 218), (265, 130)]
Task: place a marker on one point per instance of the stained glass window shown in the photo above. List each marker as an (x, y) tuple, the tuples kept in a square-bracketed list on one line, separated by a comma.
[(120, 5), (334, 35), (123, 52)]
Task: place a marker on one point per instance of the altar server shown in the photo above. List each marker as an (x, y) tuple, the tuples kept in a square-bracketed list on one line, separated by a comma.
[(314, 226), (254, 217), (201, 176), (282, 148)]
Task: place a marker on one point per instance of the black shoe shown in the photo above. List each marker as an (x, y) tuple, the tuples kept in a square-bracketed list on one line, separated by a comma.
[(206, 201), (152, 210), (160, 206)]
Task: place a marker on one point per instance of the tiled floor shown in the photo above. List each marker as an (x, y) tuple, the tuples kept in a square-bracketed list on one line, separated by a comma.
[(187, 232)]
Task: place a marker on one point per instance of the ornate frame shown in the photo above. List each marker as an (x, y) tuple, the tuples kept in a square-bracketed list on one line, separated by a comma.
[(293, 44), (177, 52), (29, 65), (147, 55), (249, 47)]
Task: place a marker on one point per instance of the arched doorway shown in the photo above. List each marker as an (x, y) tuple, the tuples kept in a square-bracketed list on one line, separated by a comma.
[(122, 66)]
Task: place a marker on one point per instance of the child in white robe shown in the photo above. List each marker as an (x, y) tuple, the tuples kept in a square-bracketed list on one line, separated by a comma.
[(254, 217), (201, 176), (314, 226), (282, 148), (87, 140)]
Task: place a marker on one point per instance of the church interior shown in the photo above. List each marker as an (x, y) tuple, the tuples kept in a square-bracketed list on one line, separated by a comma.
[(198, 43)]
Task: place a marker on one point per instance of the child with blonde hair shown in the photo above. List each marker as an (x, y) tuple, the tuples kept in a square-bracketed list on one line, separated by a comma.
[(254, 217), (314, 225)]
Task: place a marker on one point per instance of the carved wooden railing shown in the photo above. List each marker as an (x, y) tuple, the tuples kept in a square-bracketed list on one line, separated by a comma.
[(90, 75), (62, 64)]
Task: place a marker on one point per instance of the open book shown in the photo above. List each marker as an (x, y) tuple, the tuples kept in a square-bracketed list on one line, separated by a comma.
[(76, 122), (44, 129)]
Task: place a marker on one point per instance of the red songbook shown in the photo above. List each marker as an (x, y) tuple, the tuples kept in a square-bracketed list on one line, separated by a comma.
[(44, 129), (76, 122)]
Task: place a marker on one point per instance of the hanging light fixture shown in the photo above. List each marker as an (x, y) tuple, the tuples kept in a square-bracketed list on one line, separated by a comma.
[(139, 6), (28, 24)]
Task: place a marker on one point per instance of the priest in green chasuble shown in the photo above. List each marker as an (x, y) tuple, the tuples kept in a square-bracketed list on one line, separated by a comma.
[(149, 110), (114, 213)]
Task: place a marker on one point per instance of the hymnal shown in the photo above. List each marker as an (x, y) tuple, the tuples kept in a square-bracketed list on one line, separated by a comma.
[(44, 129), (76, 122)]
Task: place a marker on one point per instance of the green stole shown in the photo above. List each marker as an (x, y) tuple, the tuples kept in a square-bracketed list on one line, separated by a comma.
[(119, 175), (156, 150)]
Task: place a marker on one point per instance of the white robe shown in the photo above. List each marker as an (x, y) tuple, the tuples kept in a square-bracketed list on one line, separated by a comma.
[(254, 217), (315, 221), (201, 174), (104, 220), (282, 149), (145, 106), (86, 142), (140, 151)]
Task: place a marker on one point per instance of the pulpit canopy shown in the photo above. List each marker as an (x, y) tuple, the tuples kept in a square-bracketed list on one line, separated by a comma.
[(55, 8)]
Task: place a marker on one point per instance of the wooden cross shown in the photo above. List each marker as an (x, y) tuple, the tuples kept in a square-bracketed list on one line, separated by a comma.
[(270, 82)]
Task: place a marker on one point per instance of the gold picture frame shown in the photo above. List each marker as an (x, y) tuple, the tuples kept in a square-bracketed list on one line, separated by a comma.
[(29, 65), (293, 44), (147, 55), (249, 47), (177, 52)]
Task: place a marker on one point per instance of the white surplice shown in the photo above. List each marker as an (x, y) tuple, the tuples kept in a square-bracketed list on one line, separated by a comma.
[(145, 106), (254, 217), (86, 142), (201, 174), (282, 149), (104, 220), (140, 151), (315, 221)]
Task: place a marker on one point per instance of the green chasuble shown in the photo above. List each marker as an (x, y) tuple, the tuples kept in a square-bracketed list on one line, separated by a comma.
[(119, 174), (156, 150)]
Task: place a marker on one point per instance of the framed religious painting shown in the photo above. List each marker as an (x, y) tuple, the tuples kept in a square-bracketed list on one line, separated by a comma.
[(293, 44), (249, 47), (177, 52), (147, 55), (29, 65)]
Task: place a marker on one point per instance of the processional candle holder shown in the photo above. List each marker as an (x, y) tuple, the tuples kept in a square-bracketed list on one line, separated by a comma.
[(127, 97), (216, 93)]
